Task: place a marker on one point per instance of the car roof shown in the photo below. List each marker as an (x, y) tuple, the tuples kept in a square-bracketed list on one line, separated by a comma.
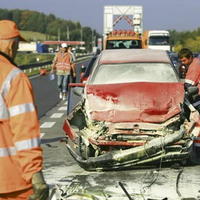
[(133, 55)]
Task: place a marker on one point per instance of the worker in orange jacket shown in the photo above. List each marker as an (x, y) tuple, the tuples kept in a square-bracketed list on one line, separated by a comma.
[(62, 65), (20, 152), (192, 80)]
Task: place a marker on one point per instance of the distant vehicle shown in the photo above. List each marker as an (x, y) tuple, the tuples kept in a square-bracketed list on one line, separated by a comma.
[(86, 70), (33, 47), (27, 47), (157, 39), (123, 39), (120, 38), (174, 58), (129, 114), (196, 54), (42, 48)]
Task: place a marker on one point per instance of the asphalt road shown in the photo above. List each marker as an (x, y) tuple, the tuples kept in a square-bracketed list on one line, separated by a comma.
[(62, 173), (65, 176), (46, 91)]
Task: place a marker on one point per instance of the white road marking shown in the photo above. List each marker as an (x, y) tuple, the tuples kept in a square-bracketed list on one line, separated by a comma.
[(57, 115), (63, 108), (47, 124), (34, 76)]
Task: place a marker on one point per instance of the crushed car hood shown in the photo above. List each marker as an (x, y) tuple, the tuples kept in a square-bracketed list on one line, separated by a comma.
[(134, 102)]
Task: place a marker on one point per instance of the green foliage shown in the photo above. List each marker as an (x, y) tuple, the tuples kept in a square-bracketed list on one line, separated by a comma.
[(52, 27), (36, 36), (186, 39), (26, 58)]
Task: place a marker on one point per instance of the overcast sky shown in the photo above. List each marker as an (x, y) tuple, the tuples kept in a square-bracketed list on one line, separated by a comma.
[(158, 14)]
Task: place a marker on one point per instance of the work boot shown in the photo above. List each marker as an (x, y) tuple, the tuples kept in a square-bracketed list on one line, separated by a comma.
[(64, 96), (60, 95), (40, 188)]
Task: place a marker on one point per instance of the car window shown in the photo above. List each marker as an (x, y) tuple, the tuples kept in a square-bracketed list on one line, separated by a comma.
[(159, 40), (90, 67), (133, 72)]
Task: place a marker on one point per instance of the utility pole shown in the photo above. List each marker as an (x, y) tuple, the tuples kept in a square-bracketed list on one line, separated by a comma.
[(68, 33), (81, 34), (58, 34), (92, 39)]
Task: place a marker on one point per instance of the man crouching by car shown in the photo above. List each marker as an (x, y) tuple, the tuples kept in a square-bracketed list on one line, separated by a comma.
[(192, 80)]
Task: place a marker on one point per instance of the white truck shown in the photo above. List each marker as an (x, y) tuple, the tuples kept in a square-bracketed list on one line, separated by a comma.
[(28, 47), (157, 39)]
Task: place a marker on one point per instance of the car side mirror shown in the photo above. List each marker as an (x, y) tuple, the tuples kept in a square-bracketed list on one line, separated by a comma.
[(78, 91), (83, 68)]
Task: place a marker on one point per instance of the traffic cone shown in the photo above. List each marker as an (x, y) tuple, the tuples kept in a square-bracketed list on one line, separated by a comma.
[(43, 72)]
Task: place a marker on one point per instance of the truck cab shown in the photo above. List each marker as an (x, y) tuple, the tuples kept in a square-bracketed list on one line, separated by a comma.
[(123, 39), (157, 39)]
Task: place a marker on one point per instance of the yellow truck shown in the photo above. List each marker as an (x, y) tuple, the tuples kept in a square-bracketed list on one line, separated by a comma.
[(123, 39)]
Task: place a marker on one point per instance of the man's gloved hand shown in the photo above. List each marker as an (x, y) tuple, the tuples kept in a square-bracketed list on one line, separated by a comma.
[(40, 188)]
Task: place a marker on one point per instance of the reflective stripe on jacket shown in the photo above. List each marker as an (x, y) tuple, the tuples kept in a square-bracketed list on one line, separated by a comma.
[(63, 61), (193, 73), (20, 151)]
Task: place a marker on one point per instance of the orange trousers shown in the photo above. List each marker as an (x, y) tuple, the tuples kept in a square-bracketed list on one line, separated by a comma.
[(19, 195)]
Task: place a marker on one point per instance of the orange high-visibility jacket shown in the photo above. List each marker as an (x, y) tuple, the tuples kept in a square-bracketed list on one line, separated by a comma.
[(193, 73), (20, 151), (193, 77), (62, 61)]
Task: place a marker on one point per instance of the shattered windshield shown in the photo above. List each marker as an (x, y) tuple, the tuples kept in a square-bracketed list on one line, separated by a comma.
[(133, 72)]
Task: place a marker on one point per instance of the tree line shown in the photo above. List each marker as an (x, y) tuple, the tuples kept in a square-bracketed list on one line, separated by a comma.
[(54, 27), (186, 39), (50, 25)]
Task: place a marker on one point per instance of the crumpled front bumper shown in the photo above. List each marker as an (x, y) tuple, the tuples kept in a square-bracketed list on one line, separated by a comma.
[(147, 155)]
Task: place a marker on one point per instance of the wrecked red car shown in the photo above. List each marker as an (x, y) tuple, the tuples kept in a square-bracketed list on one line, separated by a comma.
[(128, 114)]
